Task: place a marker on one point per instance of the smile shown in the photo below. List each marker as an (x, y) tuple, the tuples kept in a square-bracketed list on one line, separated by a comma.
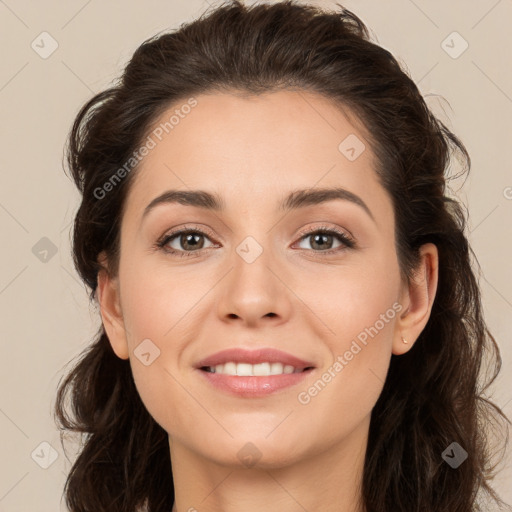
[(250, 370)]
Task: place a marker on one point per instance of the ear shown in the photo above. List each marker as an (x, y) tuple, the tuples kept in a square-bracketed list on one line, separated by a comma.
[(107, 295), (417, 298)]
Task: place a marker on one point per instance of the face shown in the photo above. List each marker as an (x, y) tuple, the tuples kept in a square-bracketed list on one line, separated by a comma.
[(254, 275)]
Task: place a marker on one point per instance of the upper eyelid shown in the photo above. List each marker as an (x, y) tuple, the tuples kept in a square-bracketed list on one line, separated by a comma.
[(187, 229)]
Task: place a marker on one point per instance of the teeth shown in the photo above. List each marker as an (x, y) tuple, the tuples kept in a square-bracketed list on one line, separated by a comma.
[(248, 370)]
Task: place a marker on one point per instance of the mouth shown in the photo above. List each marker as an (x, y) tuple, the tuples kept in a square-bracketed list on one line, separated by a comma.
[(255, 373), (264, 369), (261, 362)]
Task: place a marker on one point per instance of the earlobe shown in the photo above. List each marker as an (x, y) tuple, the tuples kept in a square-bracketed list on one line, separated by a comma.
[(418, 297), (107, 295)]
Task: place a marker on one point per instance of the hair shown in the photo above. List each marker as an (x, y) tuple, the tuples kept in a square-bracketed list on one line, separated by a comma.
[(433, 396)]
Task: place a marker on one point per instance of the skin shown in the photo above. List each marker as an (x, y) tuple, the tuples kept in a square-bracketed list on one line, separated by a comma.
[(253, 150)]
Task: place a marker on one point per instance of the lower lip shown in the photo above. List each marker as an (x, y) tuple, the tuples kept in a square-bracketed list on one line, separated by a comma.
[(254, 386)]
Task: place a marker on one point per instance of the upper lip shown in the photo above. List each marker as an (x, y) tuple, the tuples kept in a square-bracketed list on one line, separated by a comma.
[(262, 355)]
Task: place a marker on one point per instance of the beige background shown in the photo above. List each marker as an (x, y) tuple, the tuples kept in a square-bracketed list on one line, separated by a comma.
[(46, 319)]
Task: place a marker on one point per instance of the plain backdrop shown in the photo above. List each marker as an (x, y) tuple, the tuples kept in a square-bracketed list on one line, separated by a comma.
[(46, 317)]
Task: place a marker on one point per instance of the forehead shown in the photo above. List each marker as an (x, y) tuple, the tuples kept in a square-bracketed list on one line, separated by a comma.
[(254, 148)]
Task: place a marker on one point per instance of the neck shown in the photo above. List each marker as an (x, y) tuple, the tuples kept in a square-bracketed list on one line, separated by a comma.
[(329, 481)]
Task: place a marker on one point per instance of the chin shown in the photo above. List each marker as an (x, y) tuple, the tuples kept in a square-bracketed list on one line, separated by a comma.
[(255, 452)]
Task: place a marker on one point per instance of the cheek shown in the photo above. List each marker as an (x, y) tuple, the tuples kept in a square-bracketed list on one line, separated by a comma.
[(154, 314), (160, 308), (347, 388), (351, 299), (156, 302), (358, 314)]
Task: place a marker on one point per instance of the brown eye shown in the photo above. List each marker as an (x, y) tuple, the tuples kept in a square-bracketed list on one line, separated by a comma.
[(183, 242), (322, 240)]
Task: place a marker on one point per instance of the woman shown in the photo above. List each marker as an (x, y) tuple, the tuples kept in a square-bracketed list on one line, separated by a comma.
[(290, 318)]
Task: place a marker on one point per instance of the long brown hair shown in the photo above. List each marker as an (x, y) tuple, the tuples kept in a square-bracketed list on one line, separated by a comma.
[(433, 396)]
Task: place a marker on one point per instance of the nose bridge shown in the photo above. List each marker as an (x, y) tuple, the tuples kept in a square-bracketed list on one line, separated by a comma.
[(257, 239), (252, 259), (253, 232)]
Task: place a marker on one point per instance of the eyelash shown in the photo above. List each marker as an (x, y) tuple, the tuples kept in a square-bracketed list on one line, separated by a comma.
[(348, 241)]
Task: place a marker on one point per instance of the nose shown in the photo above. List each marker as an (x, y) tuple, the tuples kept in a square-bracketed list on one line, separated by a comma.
[(253, 292)]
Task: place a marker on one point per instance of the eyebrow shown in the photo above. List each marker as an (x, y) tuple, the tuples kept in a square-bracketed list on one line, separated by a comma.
[(293, 201)]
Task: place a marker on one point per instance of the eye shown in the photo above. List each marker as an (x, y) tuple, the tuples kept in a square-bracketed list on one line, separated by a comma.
[(323, 237), (185, 241)]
